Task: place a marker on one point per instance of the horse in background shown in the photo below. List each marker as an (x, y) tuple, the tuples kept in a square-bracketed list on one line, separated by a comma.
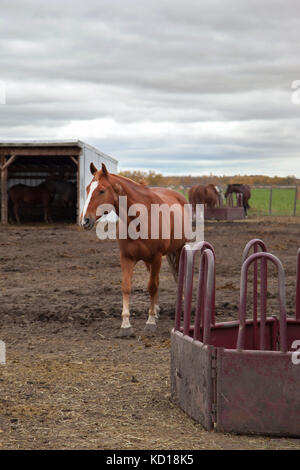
[(21, 194), (243, 189), (106, 188), (207, 195)]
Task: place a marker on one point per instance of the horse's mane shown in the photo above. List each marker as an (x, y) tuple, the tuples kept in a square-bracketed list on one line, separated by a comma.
[(125, 179), (135, 184)]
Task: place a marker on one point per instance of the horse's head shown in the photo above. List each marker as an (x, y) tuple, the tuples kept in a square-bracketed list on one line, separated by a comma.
[(99, 192)]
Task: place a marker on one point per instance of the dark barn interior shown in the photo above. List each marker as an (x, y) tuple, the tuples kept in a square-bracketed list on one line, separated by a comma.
[(32, 166)]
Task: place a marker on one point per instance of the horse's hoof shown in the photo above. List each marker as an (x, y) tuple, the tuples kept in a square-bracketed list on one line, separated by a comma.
[(150, 329), (126, 332)]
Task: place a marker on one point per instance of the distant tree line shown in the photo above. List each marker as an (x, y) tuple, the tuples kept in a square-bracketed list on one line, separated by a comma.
[(156, 179)]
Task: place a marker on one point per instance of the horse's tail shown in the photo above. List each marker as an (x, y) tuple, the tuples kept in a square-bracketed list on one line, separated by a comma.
[(173, 260)]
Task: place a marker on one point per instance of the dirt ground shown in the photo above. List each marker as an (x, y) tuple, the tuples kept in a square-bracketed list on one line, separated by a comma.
[(70, 382)]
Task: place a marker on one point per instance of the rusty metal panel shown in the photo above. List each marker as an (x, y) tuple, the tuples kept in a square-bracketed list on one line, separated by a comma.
[(191, 377), (293, 332), (257, 392)]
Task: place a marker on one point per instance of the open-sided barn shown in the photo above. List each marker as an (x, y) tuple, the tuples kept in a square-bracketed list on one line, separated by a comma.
[(31, 162)]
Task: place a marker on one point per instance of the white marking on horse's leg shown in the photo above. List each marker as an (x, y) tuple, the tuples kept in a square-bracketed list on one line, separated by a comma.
[(86, 205), (127, 265), (151, 320), (152, 314), (125, 319), (125, 312)]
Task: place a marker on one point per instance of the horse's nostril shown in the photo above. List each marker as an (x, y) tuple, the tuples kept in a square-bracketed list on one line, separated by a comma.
[(86, 221)]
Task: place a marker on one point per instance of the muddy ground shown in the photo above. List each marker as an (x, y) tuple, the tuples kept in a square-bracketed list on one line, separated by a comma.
[(69, 381)]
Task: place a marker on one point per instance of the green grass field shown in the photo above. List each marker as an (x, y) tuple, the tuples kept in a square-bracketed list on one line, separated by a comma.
[(282, 201)]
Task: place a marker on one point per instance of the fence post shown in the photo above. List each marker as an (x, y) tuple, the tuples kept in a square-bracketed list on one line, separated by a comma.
[(295, 200), (3, 171), (270, 201)]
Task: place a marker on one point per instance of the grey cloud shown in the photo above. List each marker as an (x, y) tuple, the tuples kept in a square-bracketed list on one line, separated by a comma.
[(160, 61)]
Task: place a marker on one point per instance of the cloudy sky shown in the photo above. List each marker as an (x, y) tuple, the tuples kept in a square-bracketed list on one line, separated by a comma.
[(178, 86)]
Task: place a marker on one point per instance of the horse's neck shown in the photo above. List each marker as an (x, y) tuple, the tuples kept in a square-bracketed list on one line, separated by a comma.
[(134, 192)]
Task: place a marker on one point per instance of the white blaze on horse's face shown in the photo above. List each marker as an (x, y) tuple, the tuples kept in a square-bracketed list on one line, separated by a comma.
[(84, 221)]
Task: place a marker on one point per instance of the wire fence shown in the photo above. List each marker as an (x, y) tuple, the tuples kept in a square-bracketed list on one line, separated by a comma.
[(275, 200)]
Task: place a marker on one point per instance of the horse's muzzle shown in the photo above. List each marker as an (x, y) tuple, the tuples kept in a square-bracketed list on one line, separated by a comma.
[(88, 223)]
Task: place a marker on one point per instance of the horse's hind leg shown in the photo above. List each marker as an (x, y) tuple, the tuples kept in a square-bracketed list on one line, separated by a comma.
[(47, 217), (16, 212), (127, 266), (157, 307), (150, 327)]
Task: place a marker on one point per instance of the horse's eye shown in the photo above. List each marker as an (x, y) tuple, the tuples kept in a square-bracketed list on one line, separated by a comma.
[(102, 191)]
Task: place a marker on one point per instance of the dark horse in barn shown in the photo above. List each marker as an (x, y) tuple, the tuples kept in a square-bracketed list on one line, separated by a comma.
[(243, 189), (63, 192), (23, 195)]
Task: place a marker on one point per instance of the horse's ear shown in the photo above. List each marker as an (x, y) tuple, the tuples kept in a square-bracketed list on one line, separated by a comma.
[(104, 170), (93, 169)]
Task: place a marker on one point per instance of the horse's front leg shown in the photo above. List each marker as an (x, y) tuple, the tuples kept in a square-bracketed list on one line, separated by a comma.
[(153, 284), (127, 265)]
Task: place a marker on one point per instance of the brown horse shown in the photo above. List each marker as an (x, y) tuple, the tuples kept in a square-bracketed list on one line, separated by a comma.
[(21, 194), (243, 189), (200, 194), (107, 188)]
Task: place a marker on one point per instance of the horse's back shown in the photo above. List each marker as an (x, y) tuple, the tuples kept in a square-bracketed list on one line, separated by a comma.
[(29, 194), (200, 194), (178, 201), (170, 196), (17, 191)]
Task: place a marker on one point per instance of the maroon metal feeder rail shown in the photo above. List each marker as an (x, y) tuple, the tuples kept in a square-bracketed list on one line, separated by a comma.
[(236, 376), (228, 212)]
